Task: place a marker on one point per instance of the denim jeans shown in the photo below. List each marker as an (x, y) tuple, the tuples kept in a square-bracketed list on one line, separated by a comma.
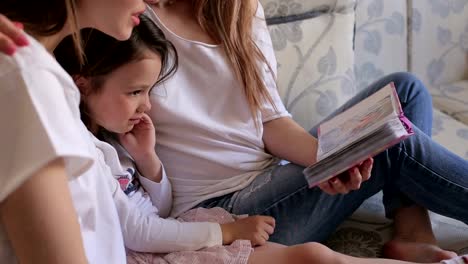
[(417, 170)]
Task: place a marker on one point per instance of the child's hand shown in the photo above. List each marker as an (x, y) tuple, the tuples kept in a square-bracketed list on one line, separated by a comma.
[(257, 229), (140, 143), (141, 140)]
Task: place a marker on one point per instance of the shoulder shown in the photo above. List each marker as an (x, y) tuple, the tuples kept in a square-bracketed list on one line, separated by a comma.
[(259, 21), (257, 9), (33, 71), (32, 60), (260, 32)]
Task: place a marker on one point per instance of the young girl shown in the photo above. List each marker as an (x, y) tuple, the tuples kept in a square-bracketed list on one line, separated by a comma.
[(46, 155), (115, 96)]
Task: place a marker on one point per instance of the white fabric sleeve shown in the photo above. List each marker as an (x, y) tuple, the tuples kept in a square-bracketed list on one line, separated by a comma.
[(38, 126), (262, 39), (152, 234), (456, 260), (160, 193)]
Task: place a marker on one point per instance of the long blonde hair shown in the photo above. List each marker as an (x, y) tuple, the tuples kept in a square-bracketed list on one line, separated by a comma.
[(76, 35), (229, 22)]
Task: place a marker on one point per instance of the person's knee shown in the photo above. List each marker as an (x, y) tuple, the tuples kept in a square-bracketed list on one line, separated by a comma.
[(314, 253), (403, 77), (410, 86)]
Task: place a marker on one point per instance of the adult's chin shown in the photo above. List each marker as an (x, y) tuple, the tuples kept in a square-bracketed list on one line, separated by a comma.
[(123, 32)]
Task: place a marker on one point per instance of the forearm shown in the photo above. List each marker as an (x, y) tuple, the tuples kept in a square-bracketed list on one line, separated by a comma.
[(169, 235), (160, 193), (147, 232), (150, 167), (284, 138), (40, 219)]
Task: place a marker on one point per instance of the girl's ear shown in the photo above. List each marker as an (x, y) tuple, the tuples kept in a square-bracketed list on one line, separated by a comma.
[(83, 84)]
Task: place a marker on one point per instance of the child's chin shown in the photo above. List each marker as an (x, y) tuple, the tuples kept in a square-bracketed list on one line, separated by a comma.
[(127, 129), (121, 130)]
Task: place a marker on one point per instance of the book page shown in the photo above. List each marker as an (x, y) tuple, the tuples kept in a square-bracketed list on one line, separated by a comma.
[(364, 130), (356, 122)]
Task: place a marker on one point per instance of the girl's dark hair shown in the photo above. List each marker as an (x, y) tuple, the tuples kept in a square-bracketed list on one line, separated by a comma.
[(104, 54)]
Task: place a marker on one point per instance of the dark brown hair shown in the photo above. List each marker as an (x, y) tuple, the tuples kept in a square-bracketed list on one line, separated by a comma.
[(44, 17), (104, 54)]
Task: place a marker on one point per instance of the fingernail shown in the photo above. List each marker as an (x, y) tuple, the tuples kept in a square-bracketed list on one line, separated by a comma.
[(22, 41), (10, 50), (18, 25)]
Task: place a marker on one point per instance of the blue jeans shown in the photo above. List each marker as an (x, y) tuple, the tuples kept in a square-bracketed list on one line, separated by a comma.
[(417, 170)]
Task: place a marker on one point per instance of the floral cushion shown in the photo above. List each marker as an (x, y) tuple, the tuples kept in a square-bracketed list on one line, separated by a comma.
[(380, 44), (315, 59), (439, 45), (452, 99), (300, 8), (450, 133)]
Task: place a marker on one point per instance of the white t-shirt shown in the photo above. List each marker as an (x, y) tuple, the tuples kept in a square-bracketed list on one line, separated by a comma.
[(143, 229), (41, 122), (207, 138)]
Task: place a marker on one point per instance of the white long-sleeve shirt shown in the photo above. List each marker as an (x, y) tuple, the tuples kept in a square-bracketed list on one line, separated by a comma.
[(142, 228)]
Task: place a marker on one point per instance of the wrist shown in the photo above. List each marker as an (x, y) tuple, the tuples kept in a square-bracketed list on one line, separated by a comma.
[(150, 167), (226, 230), (145, 156)]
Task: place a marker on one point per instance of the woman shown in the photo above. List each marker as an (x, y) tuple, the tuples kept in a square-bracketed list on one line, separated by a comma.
[(221, 128), (47, 155)]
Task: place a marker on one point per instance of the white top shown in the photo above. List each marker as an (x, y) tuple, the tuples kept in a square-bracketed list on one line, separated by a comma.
[(41, 122), (207, 138), (457, 260), (142, 227)]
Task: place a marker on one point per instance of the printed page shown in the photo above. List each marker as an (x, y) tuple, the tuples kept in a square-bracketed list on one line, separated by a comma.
[(362, 131), (371, 145), (356, 122)]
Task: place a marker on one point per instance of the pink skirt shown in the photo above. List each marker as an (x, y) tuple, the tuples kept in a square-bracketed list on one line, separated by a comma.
[(236, 253)]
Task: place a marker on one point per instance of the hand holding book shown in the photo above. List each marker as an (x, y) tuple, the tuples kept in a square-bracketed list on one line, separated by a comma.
[(357, 134), (349, 180)]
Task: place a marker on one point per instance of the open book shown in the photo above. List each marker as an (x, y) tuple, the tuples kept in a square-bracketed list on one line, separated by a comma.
[(362, 131)]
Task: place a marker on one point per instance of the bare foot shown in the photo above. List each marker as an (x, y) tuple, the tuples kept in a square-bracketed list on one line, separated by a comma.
[(415, 251)]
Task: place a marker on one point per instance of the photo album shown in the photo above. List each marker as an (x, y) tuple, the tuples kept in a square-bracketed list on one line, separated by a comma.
[(361, 132)]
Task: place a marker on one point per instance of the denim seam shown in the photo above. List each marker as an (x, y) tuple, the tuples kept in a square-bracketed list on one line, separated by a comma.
[(433, 172), (253, 189), (285, 198)]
